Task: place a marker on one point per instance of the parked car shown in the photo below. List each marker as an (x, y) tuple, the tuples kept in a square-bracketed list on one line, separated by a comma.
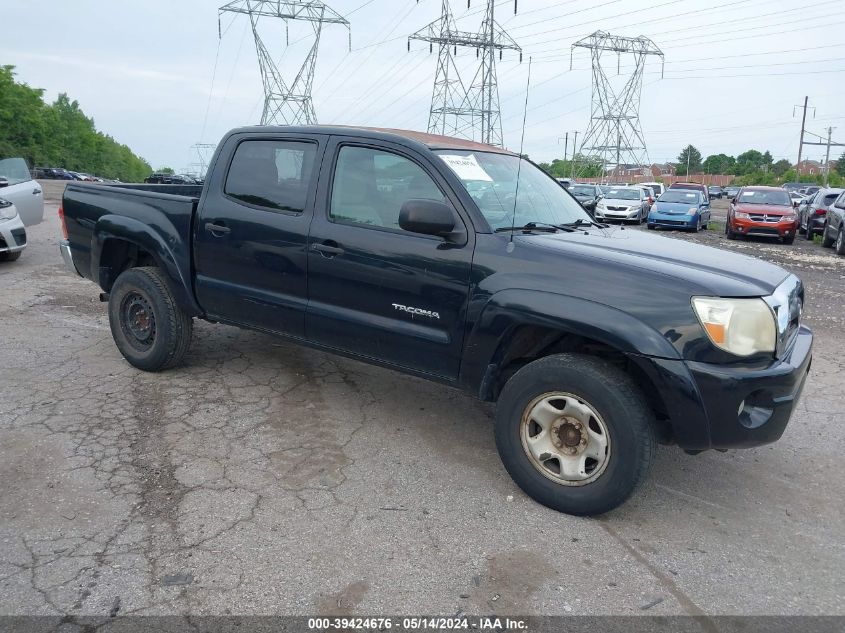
[(813, 214), (565, 182), (628, 204), (53, 173), (12, 232), (694, 186), (762, 212), (680, 209), (731, 191), (18, 187), (715, 192), (418, 254), (161, 179), (833, 231), (657, 187), (795, 186), (587, 195), (650, 196)]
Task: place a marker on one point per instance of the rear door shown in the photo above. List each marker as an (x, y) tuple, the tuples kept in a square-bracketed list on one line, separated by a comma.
[(374, 289), (251, 232), (22, 190)]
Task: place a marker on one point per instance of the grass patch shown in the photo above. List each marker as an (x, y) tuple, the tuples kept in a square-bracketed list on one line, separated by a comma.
[(712, 225)]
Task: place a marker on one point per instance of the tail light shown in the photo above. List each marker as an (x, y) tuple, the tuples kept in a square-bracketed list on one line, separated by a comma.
[(821, 211), (62, 222)]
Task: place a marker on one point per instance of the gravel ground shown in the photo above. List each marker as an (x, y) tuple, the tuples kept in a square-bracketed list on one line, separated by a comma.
[(263, 478)]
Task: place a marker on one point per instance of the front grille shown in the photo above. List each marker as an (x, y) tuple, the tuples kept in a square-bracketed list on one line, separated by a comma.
[(787, 302), (19, 235), (758, 231), (617, 208), (672, 222), (760, 217)]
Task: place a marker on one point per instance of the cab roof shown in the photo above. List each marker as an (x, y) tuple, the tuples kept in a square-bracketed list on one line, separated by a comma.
[(432, 141)]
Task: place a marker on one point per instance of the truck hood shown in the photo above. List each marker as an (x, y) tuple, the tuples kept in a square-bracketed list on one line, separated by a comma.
[(701, 269)]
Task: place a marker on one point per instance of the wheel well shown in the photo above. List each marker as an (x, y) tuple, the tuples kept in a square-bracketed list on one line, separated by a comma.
[(528, 343), (119, 255)]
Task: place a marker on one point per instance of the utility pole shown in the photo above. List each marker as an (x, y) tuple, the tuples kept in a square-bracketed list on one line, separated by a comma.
[(459, 109), (827, 158), (801, 140), (572, 164), (286, 104)]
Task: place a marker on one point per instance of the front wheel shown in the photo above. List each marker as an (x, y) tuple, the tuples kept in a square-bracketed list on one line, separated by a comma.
[(839, 246), (731, 235), (788, 240), (808, 232), (575, 433), (149, 328)]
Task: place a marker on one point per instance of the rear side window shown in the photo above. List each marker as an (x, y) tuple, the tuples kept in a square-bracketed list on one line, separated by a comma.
[(370, 186), (829, 198), (272, 174)]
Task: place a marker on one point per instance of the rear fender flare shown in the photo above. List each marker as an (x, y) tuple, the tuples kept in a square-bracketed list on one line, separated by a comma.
[(142, 235)]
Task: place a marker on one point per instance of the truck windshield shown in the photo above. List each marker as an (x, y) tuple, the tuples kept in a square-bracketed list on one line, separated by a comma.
[(491, 181)]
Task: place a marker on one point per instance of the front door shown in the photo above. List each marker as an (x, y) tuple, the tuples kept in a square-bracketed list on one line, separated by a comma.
[(251, 233), (22, 191), (374, 289)]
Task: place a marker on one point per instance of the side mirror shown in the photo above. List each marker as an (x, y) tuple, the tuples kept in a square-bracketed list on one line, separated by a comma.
[(4, 182), (428, 217), (795, 204)]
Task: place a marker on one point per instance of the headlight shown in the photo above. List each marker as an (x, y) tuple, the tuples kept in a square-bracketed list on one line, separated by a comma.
[(739, 326), (788, 218), (741, 215), (634, 208), (692, 211), (601, 204), (8, 211)]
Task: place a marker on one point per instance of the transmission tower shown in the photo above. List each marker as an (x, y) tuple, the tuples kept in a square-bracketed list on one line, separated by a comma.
[(203, 152), (286, 104), (457, 108), (615, 135)]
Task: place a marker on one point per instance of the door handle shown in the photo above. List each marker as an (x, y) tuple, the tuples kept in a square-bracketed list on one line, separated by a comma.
[(217, 229), (327, 250)]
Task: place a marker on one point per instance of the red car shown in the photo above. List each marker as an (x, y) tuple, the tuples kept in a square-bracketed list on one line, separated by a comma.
[(764, 212)]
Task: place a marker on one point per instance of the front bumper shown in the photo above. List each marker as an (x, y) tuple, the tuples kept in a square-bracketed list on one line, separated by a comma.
[(765, 229), (617, 215), (728, 406), (12, 235), (671, 220)]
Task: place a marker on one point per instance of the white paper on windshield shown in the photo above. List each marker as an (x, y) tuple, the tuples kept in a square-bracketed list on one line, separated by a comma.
[(466, 167), (748, 193), (690, 195)]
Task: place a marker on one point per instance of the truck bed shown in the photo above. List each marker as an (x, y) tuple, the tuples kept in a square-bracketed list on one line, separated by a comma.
[(159, 215)]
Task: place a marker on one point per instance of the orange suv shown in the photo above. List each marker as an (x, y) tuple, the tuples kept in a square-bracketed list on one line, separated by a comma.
[(763, 212)]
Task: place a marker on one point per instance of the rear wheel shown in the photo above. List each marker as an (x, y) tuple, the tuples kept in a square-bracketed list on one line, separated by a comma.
[(827, 241), (840, 242), (808, 231), (149, 328), (575, 433)]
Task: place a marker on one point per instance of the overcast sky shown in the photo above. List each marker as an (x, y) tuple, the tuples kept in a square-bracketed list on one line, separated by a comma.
[(146, 72)]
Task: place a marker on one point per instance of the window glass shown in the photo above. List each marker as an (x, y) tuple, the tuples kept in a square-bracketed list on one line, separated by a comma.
[(272, 174), (765, 196), (14, 170), (370, 186)]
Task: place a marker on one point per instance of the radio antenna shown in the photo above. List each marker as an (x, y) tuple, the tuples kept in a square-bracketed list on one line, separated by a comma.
[(521, 145)]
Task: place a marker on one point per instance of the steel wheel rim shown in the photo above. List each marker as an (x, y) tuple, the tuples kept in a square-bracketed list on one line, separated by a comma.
[(137, 320), (565, 439)]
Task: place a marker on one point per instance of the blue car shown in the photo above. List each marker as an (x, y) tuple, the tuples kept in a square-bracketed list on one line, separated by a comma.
[(680, 209)]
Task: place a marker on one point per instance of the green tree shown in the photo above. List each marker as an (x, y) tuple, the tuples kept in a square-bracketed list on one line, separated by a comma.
[(719, 164), (165, 170), (59, 134), (781, 167), (689, 156), (752, 161), (840, 165)]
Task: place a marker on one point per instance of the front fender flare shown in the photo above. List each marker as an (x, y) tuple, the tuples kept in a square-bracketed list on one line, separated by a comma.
[(507, 310)]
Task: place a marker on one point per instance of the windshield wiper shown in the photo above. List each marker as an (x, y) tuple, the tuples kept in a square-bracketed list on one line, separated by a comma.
[(532, 226), (582, 222)]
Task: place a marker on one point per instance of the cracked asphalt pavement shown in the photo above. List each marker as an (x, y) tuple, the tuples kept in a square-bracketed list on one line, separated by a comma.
[(265, 478)]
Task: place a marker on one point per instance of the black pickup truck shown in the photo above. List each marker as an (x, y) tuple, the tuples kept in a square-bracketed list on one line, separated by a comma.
[(464, 264)]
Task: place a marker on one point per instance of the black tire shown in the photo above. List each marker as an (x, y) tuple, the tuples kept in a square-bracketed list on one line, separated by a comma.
[(619, 402), (731, 235), (827, 241), (10, 257), (808, 232), (839, 245), (650, 227), (788, 240), (160, 334)]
